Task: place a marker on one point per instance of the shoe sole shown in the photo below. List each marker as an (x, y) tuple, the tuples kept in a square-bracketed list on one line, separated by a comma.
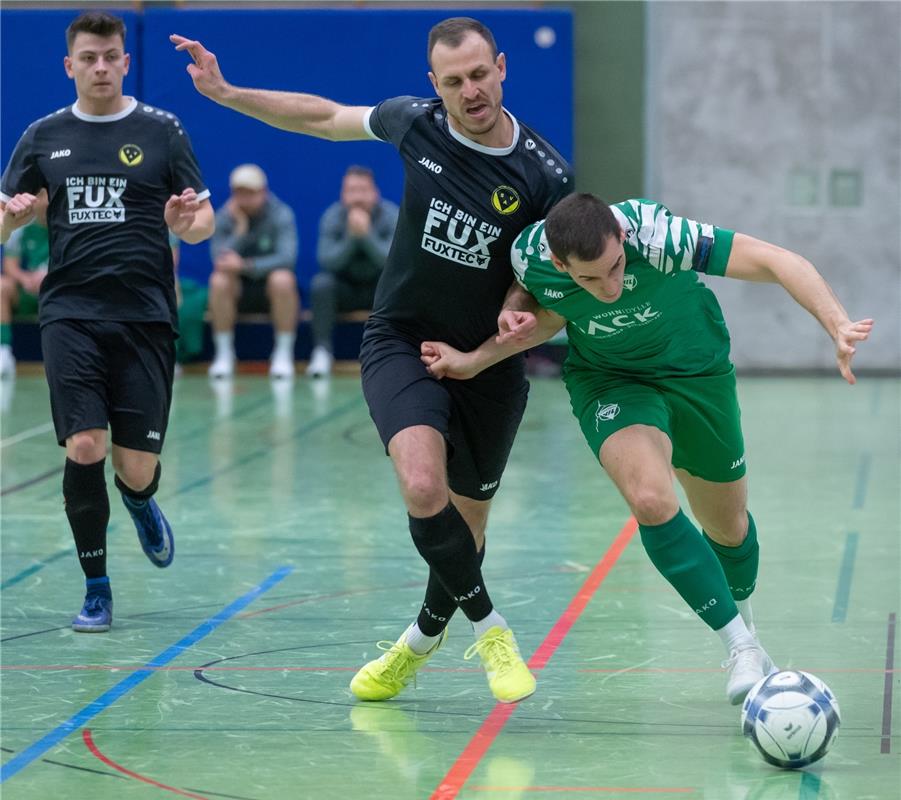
[(90, 629), (516, 699)]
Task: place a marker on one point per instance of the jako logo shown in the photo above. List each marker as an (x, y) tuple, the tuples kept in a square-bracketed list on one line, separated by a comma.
[(737, 463), (554, 293), (60, 154), (487, 487), (436, 168), (153, 435)]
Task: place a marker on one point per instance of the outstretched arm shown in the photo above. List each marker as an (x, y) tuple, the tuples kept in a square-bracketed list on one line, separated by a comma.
[(444, 361), (755, 260), (290, 111)]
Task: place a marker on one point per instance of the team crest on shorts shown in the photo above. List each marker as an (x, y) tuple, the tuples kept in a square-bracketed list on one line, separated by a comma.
[(605, 413), (505, 200), (131, 155)]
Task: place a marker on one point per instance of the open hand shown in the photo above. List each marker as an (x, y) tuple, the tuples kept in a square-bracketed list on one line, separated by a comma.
[(205, 70), (847, 335), (180, 211)]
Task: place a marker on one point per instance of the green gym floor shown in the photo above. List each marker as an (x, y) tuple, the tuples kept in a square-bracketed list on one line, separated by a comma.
[(226, 675)]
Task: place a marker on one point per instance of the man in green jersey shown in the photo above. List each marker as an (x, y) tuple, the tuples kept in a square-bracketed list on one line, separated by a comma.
[(651, 383), (25, 259)]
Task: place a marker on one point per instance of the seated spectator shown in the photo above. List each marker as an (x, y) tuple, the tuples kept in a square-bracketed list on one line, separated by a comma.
[(354, 238), (254, 251), (25, 259)]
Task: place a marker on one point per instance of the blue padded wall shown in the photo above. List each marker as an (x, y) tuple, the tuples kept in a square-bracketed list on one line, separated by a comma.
[(355, 56)]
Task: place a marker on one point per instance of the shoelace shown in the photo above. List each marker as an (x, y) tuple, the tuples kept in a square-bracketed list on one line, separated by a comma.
[(393, 669), (497, 650), (736, 654)]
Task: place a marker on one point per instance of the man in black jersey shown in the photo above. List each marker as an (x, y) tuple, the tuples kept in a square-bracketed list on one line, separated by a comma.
[(474, 177), (120, 175)]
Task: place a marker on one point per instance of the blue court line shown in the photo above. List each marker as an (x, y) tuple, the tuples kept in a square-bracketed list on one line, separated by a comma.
[(34, 568), (863, 477), (95, 707), (810, 786), (845, 573)]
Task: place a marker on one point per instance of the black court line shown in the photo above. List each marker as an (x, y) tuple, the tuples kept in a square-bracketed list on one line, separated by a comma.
[(17, 487), (119, 776), (885, 746), (265, 451)]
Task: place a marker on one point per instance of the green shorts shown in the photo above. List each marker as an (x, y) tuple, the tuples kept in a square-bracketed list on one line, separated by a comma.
[(699, 414), (28, 305)]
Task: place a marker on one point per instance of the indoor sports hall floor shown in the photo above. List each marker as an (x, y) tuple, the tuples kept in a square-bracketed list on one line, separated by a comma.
[(226, 675)]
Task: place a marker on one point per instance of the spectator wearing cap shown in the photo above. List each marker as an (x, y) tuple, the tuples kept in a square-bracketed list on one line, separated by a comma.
[(254, 253)]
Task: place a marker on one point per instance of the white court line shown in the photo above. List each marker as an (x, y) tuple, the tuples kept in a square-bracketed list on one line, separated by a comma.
[(21, 437)]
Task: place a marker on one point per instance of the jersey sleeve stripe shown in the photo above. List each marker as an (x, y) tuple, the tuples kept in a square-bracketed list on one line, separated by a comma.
[(368, 126)]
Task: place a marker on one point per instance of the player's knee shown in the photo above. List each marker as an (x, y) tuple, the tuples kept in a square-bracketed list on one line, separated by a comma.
[(652, 507), (136, 476), (730, 532), (86, 447), (322, 282), (424, 494), (221, 284), (281, 282)]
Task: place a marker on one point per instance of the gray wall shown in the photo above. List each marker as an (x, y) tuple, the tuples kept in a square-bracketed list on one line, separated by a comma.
[(783, 121)]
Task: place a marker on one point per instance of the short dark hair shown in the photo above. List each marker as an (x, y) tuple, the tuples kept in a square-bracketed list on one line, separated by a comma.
[(453, 31), (579, 226), (358, 169), (97, 22)]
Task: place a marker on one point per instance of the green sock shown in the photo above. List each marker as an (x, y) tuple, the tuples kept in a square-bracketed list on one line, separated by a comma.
[(678, 551), (6, 333), (739, 563)]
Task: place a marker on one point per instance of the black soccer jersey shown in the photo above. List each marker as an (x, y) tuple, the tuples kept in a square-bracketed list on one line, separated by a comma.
[(108, 179), (463, 206)]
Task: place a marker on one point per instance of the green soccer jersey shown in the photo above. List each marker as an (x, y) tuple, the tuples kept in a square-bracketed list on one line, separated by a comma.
[(666, 322), (30, 245)]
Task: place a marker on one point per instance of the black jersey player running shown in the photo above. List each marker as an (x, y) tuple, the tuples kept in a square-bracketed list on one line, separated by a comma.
[(119, 175), (474, 177)]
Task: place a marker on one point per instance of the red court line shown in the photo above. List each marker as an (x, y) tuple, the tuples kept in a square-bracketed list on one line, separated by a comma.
[(494, 723), (617, 789), (89, 741)]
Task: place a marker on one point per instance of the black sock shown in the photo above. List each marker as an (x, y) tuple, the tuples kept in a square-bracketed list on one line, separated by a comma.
[(446, 543), (144, 494), (438, 606), (87, 508)]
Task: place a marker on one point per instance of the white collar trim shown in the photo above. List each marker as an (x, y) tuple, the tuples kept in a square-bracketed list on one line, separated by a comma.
[(105, 117), (490, 151)]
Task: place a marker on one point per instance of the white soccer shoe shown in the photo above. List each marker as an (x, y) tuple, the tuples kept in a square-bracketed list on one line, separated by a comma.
[(746, 665), (320, 363), (281, 366), (7, 363), (223, 365)]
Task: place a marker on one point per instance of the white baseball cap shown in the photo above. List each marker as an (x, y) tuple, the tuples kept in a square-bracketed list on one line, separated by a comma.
[(248, 176)]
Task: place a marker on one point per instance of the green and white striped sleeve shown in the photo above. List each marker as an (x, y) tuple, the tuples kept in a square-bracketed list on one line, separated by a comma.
[(525, 248), (670, 243)]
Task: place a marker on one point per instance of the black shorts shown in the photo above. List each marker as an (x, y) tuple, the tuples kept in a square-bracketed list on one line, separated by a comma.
[(253, 299), (478, 418), (110, 373)]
